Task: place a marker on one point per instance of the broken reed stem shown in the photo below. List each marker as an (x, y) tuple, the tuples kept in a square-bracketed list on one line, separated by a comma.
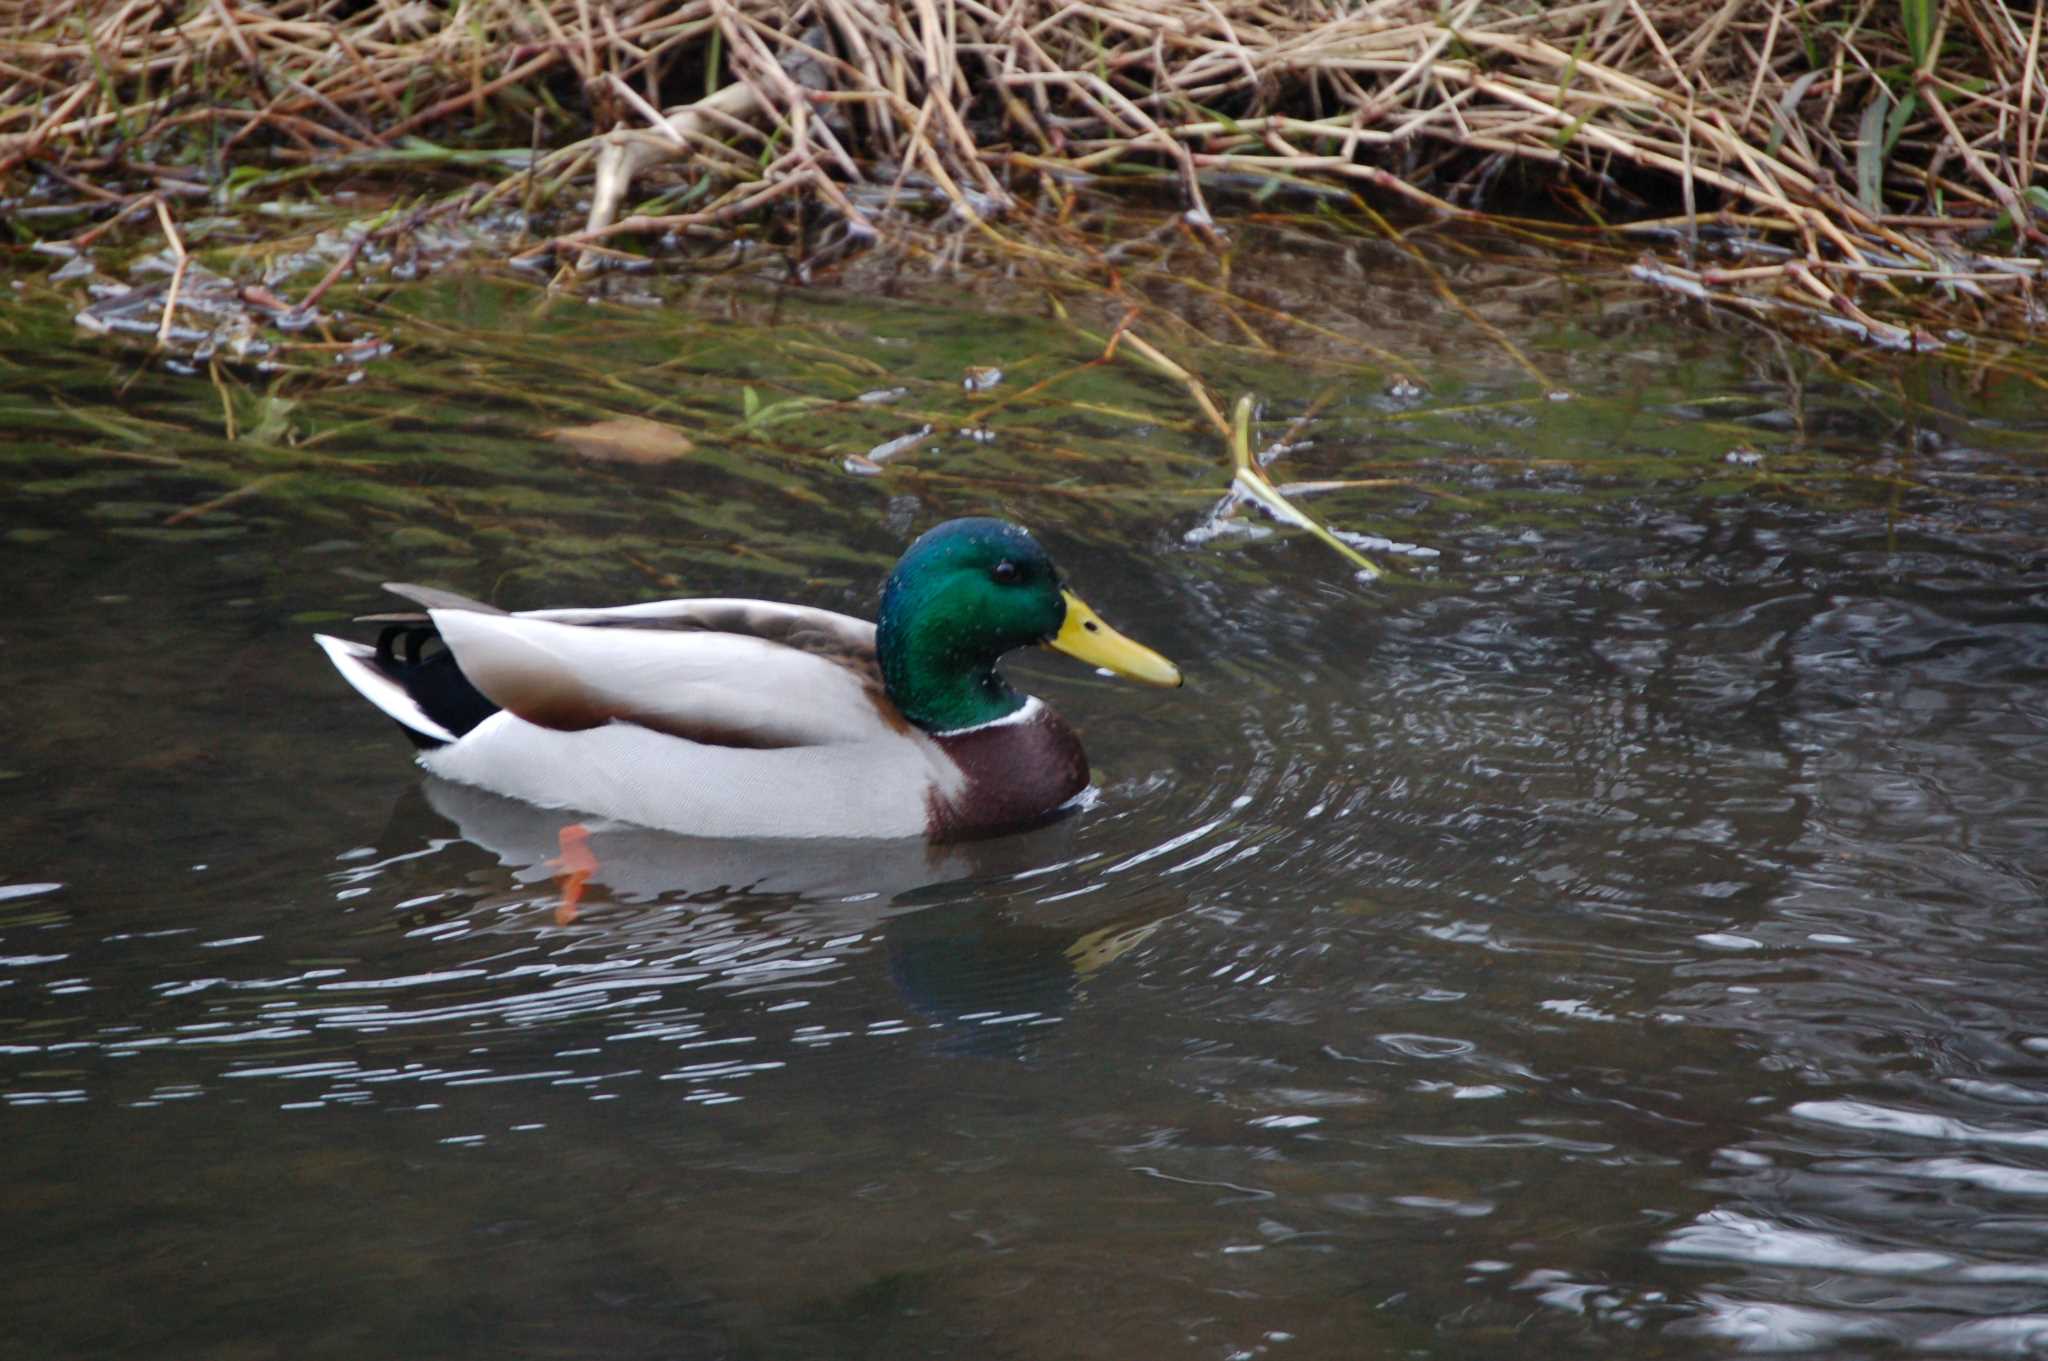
[(1164, 365), (1249, 481), (163, 217)]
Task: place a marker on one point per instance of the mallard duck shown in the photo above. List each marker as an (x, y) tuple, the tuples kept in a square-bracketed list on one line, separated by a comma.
[(749, 718)]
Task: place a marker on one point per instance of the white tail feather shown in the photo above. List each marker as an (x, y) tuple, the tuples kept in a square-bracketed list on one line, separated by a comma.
[(355, 662)]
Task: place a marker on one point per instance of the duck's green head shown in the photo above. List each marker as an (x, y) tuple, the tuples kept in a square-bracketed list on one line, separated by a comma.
[(964, 594)]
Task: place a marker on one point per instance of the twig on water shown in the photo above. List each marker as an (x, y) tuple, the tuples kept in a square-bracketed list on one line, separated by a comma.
[(163, 216), (241, 493)]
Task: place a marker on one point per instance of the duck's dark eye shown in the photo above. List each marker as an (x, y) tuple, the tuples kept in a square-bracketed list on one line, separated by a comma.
[(1006, 571)]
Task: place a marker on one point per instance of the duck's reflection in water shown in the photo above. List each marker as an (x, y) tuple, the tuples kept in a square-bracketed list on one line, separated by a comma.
[(971, 943)]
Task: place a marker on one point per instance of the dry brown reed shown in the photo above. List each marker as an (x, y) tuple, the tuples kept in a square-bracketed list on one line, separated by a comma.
[(1831, 153)]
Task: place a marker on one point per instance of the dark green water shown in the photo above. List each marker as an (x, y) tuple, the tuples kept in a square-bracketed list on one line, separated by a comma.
[(1623, 938)]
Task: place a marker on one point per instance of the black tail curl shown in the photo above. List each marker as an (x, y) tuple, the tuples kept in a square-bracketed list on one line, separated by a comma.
[(432, 678)]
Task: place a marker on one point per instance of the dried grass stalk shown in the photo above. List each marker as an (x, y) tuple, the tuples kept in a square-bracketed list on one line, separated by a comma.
[(1875, 138)]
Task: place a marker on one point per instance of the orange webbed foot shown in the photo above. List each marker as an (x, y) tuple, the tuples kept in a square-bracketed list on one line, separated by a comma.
[(572, 868)]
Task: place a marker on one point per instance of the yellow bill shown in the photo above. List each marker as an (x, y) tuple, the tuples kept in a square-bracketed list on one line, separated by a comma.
[(1085, 637)]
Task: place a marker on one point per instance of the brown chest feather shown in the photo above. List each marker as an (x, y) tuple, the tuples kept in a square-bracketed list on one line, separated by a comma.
[(1016, 774)]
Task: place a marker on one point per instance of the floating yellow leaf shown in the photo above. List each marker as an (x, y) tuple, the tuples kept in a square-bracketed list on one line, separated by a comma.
[(624, 439)]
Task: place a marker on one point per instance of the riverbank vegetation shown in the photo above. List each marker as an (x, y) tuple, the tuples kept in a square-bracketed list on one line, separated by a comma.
[(1876, 165)]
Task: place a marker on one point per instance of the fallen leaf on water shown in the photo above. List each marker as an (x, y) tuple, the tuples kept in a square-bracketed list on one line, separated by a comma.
[(623, 439)]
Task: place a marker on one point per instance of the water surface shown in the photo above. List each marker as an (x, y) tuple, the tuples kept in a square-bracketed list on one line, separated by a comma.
[(1622, 932)]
